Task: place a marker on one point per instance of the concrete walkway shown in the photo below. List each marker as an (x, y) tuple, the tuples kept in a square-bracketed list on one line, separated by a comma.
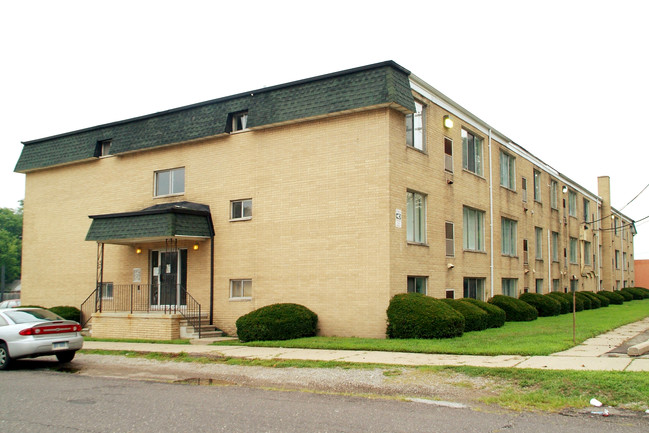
[(592, 354)]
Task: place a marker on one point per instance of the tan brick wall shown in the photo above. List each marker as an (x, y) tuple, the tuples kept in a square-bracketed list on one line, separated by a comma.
[(124, 325)]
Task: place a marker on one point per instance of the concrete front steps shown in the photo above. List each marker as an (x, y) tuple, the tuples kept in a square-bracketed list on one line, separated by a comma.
[(206, 330)]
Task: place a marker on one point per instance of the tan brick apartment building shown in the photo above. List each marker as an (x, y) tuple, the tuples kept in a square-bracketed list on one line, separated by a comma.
[(335, 192)]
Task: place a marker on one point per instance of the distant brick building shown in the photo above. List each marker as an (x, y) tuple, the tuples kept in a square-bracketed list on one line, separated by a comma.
[(335, 192), (642, 273)]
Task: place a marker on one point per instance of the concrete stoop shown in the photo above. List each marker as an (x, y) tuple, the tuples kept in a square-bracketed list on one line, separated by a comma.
[(207, 331)]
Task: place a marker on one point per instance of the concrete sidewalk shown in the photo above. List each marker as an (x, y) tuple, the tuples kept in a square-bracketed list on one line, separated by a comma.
[(592, 354)]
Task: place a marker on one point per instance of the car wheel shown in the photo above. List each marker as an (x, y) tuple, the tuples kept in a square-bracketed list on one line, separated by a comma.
[(5, 360), (65, 356)]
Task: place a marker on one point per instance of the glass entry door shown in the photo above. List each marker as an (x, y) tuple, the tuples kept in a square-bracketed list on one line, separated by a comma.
[(168, 277)]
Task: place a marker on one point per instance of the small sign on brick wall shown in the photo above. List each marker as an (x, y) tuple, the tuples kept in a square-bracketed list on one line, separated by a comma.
[(397, 218)]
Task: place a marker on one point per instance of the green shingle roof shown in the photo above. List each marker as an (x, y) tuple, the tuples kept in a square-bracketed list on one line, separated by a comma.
[(158, 222), (378, 84)]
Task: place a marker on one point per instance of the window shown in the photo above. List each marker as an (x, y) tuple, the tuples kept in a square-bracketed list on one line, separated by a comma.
[(106, 290), (169, 182), (474, 288), (416, 215), (448, 154), (537, 185), (556, 285), (526, 256), (450, 240), (241, 209), (417, 285), (539, 285), (586, 209), (617, 259), (471, 152), (415, 127), (450, 294), (587, 253), (473, 229), (509, 287), (573, 250), (599, 249), (572, 204), (507, 171), (239, 121), (103, 148), (508, 237), (554, 198), (240, 289), (538, 234), (524, 189), (625, 264), (555, 246)]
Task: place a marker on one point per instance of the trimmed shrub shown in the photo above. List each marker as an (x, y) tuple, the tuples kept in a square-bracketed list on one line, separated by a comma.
[(413, 315), (579, 304), (495, 314), (585, 299), (615, 298), (643, 290), (602, 299), (277, 322), (626, 295), (67, 312), (515, 309), (594, 300), (475, 318), (544, 306), (566, 305), (637, 293)]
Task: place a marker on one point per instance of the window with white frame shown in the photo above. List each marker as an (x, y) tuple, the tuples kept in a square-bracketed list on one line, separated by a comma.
[(524, 189), (555, 246), (572, 203), (624, 262), (416, 217), (507, 171), (103, 148), (473, 229), (418, 285), (554, 194), (106, 290), (617, 259), (508, 237), (241, 289), (239, 121), (573, 250), (450, 239), (450, 294), (415, 127), (586, 210), (448, 154), (474, 288), (539, 285), (471, 152), (538, 235), (510, 287), (241, 209), (537, 185), (169, 182), (587, 253)]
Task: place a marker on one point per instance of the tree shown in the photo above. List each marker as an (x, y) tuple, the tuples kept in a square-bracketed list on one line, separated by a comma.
[(11, 230)]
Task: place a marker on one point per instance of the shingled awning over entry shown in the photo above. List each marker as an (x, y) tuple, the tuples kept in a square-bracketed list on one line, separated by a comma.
[(156, 223)]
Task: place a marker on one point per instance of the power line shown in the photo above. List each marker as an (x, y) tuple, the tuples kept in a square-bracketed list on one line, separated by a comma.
[(634, 197)]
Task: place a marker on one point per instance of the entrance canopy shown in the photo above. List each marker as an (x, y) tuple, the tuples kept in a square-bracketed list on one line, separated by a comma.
[(180, 220)]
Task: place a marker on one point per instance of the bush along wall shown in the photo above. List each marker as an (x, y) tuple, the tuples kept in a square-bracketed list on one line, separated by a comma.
[(413, 315), (615, 298), (495, 315), (585, 299), (475, 318), (579, 303), (594, 300), (277, 322), (566, 305), (515, 309), (544, 305), (67, 312)]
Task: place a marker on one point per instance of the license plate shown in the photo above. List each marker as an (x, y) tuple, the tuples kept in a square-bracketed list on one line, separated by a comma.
[(60, 345)]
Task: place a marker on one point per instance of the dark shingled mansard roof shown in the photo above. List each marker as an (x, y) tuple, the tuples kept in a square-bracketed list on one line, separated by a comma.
[(163, 221), (380, 84)]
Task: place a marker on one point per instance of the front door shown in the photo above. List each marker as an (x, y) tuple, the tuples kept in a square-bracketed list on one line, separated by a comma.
[(168, 277)]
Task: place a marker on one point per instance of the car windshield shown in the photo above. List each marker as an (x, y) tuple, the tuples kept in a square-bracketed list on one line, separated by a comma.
[(32, 315)]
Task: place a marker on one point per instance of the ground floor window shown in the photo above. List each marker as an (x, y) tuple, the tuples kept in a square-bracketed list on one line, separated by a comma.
[(539, 285), (474, 288), (509, 287), (417, 285), (556, 285), (240, 289)]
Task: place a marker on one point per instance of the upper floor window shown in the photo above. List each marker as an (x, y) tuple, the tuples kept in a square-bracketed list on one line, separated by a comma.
[(473, 229), (572, 203), (448, 154), (508, 237), (555, 246), (103, 148), (169, 182), (573, 250), (450, 239), (524, 189), (416, 217), (537, 185), (471, 152), (586, 209), (587, 253), (239, 121), (538, 235), (554, 191), (240, 209), (415, 127), (507, 170)]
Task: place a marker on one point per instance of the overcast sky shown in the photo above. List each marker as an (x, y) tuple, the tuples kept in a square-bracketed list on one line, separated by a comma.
[(567, 80)]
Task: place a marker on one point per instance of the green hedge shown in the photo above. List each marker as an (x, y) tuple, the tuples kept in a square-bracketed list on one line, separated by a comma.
[(495, 314), (67, 312), (277, 322), (566, 305), (594, 299), (544, 306), (614, 297), (413, 315), (637, 293), (579, 303), (515, 309), (628, 296), (585, 299), (475, 318), (602, 299)]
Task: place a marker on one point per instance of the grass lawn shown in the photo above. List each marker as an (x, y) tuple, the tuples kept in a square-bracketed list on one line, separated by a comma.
[(543, 336)]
